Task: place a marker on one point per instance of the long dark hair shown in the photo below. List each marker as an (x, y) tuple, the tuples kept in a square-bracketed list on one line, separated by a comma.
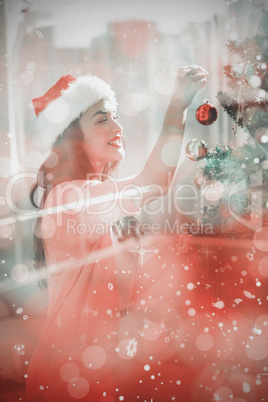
[(67, 161)]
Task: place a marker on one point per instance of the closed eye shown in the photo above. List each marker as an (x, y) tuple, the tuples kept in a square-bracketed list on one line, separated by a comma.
[(103, 120)]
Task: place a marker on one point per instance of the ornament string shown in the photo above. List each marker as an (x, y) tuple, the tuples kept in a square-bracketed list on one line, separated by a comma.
[(206, 100)]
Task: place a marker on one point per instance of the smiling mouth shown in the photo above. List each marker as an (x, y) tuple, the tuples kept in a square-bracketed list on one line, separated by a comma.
[(116, 142)]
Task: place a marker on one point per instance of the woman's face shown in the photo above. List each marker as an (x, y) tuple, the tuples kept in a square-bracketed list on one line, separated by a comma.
[(102, 134)]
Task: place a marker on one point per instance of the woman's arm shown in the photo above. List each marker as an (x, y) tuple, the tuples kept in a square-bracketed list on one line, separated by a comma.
[(156, 173), (95, 203)]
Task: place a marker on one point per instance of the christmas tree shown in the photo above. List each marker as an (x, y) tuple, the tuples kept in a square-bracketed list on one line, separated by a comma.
[(247, 104), (239, 175)]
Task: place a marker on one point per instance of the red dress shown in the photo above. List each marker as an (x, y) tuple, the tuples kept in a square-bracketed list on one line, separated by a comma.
[(98, 343)]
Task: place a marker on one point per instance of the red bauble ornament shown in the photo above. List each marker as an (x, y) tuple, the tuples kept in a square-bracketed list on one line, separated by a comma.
[(206, 114)]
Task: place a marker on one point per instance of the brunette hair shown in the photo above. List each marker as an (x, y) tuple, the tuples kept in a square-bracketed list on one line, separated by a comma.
[(67, 161)]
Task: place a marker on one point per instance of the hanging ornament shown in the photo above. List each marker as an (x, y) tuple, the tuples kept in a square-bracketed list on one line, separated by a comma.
[(196, 149), (206, 114)]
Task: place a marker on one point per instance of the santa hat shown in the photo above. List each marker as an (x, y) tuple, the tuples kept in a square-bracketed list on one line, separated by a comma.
[(65, 101)]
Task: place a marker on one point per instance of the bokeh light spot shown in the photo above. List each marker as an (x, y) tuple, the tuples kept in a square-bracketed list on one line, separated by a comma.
[(213, 191), (223, 393), (46, 229), (69, 371), (19, 273), (257, 348), (140, 101), (204, 342), (151, 331), (261, 323), (255, 81), (57, 111), (170, 153), (51, 160), (94, 357), (193, 36), (263, 266), (5, 231), (34, 159), (246, 387), (78, 388), (219, 304), (191, 312), (164, 82), (260, 239)]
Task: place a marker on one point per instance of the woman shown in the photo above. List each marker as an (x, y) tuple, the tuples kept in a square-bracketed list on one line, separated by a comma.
[(89, 348)]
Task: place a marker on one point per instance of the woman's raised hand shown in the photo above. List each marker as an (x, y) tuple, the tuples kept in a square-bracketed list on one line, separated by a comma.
[(156, 171), (189, 80)]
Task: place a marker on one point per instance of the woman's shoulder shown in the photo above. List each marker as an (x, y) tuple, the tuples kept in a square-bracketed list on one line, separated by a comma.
[(75, 195), (66, 192)]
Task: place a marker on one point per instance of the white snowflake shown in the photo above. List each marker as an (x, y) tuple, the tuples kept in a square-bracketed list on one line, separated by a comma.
[(31, 66), (248, 294), (256, 331), (250, 256), (146, 321), (19, 348), (110, 286), (258, 99), (39, 34), (227, 266), (237, 301), (132, 347)]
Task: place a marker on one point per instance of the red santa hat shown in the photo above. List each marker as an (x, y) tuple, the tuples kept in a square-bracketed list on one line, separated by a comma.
[(65, 101)]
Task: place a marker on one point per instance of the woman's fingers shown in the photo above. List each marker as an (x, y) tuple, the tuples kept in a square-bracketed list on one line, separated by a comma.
[(198, 76), (189, 80), (191, 70), (202, 83)]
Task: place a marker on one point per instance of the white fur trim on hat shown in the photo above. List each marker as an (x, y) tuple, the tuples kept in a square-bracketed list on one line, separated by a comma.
[(81, 94)]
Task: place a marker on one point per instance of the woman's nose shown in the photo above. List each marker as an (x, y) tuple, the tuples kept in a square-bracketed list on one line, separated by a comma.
[(117, 127)]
